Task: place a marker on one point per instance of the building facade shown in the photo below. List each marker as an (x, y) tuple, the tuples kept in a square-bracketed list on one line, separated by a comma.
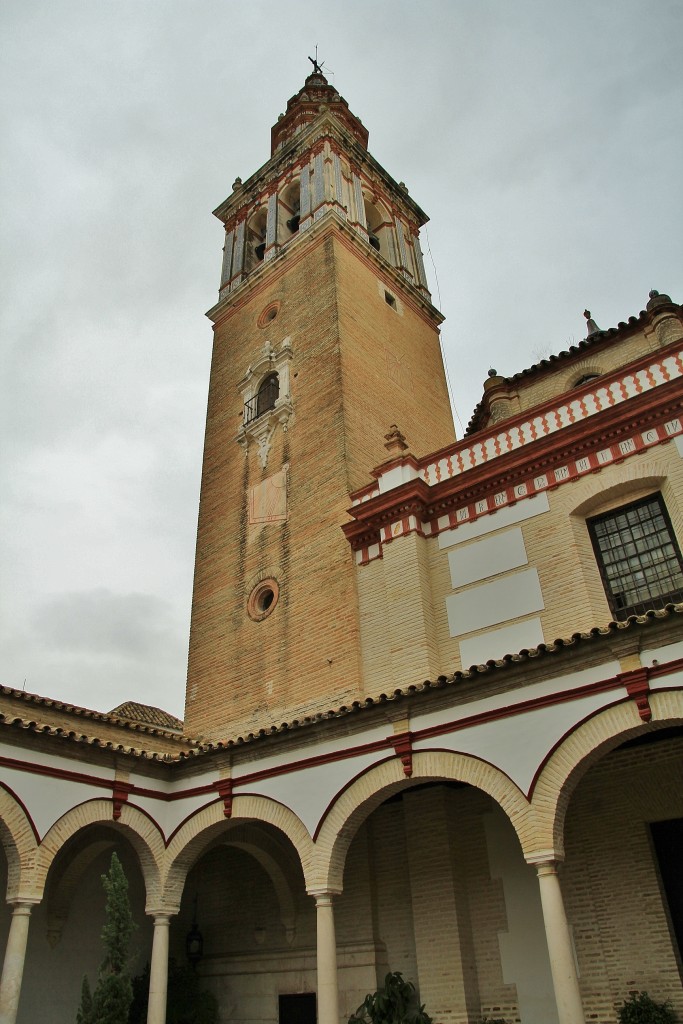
[(435, 686)]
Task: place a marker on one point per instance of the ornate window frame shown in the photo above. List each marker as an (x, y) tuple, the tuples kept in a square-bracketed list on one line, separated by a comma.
[(260, 429)]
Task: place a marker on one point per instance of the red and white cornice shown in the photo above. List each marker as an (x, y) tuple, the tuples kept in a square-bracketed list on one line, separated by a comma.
[(619, 416)]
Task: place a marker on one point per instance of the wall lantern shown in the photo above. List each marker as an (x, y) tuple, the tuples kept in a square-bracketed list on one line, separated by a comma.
[(194, 941)]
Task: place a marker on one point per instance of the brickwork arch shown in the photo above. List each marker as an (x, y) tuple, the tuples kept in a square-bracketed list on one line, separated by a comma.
[(194, 836), (356, 803), (582, 369), (137, 828), (584, 747), (19, 843)]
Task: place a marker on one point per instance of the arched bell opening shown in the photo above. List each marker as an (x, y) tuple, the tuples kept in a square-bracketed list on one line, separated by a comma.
[(380, 228), (64, 942), (256, 239), (289, 212), (436, 886)]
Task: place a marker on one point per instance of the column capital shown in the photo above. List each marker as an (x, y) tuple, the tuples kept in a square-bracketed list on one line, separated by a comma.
[(324, 897), (23, 906), (545, 858), (161, 913)]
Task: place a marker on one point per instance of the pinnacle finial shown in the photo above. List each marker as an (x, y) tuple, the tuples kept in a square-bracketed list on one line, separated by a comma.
[(395, 442)]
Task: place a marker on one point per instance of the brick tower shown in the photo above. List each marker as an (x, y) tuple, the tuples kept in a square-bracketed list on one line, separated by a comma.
[(324, 336)]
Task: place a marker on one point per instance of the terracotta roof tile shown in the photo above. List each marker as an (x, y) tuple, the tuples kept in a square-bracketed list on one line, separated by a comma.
[(146, 714), (196, 748)]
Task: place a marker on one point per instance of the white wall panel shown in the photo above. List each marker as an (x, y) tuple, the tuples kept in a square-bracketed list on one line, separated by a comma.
[(519, 744), (497, 642), (662, 654), (330, 746), (526, 508), (537, 691), (46, 800), (491, 603), (309, 792), (488, 557), (672, 681), (169, 814)]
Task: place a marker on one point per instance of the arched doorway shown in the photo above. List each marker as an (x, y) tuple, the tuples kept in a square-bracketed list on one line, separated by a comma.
[(436, 886), (621, 877), (245, 895), (65, 935)]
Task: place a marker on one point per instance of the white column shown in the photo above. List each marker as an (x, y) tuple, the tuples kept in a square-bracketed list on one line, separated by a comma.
[(562, 963), (13, 966), (271, 226), (328, 992), (158, 974)]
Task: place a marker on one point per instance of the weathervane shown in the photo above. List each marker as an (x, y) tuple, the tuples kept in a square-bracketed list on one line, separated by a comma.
[(317, 68)]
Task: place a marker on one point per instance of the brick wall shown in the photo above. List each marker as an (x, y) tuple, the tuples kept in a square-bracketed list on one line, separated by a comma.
[(610, 880), (358, 365)]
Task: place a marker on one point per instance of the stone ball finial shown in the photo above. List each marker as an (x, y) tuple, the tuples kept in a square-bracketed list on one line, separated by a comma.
[(237, 183), (493, 373), (657, 299)]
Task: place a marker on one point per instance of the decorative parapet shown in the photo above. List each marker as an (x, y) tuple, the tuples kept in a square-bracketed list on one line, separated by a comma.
[(557, 443)]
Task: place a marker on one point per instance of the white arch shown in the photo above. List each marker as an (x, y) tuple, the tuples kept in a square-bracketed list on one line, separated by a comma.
[(137, 827), (358, 801), (202, 828), (581, 749)]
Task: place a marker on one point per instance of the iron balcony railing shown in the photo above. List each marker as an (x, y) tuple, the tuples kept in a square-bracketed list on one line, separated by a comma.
[(263, 401)]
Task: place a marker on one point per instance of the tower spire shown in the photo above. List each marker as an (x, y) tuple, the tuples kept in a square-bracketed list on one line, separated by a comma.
[(315, 97)]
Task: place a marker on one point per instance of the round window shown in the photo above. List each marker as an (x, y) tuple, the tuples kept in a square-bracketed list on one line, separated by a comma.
[(263, 599), (268, 314)]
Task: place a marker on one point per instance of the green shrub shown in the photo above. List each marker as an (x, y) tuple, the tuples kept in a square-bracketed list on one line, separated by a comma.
[(641, 1009), (110, 1001), (394, 1003), (186, 1002)]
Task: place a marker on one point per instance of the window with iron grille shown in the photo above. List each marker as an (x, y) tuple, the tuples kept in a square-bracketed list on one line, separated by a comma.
[(638, 557), (264, 400)]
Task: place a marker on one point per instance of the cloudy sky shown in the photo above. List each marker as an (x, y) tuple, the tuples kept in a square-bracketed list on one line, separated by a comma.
[(543, 139)]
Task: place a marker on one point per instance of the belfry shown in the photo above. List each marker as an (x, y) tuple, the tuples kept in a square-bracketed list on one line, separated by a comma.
[(434, 715)]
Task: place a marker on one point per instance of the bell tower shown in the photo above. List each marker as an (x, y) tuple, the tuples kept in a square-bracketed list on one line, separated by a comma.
[(324, 336)]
